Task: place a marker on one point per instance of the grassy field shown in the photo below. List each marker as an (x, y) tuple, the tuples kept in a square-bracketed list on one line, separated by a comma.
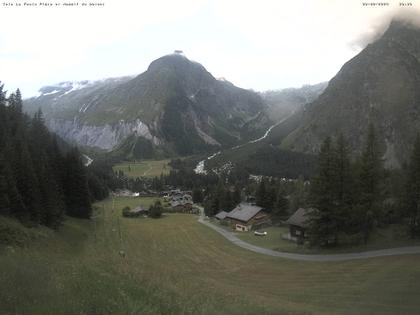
[(175, 265), (146, 168), (391, 236)]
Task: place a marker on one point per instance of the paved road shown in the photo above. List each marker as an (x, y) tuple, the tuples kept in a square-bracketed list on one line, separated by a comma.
[(333, 257)]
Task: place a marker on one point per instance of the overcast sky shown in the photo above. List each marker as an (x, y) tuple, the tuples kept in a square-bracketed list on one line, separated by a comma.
[(254, 44)]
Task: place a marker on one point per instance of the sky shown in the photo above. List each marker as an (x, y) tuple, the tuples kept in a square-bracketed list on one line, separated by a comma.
[(259, 45)]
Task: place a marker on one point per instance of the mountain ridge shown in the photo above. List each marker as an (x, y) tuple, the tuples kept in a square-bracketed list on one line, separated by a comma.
[(176, 104), (380, 85)]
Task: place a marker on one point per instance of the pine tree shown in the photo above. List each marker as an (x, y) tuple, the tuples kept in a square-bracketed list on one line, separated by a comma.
[(4, 194), (324, 184), (155, 211), (371, 169), (76, 187), (26, 182), (344, 180), (412, 194), (326, 222), (261, 193), (370, 175), (197, 195), (282, 205), (236, 198)]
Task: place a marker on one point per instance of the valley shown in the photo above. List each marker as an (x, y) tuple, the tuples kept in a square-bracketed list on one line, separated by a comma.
[(176, 265), (174, 192)]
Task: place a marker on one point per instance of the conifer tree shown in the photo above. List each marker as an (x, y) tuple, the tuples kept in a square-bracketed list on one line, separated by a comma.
[(76, 187), (326, 221), (236, 198), (412, 194), (4, 195), (370, 175), (371, 168), (261, 194), (282, 204), (344, 180)]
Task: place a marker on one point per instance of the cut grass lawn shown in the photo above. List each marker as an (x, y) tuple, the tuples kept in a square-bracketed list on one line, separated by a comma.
[(389, 237), (175, 265), (145, 168)]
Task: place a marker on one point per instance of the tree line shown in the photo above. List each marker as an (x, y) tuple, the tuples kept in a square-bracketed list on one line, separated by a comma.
[(352, 196), (39, 182)]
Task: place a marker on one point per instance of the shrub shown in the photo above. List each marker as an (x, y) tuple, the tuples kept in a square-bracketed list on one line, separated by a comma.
[(126, 212), (155, 211)]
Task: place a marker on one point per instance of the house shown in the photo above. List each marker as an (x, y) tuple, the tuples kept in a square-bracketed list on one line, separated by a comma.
[(298, 224), (245, 216), (221, 215), (177, 205), (182, 205), (136, 212)]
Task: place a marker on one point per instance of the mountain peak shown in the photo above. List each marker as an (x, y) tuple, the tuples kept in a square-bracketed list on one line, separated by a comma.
[(398, 25), (174, 59)]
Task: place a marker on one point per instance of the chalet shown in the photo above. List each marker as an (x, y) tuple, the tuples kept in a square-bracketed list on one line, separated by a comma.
[(136, 212), (182, 205), (245, 216), (298, 224), (221, 215), (140, 210)]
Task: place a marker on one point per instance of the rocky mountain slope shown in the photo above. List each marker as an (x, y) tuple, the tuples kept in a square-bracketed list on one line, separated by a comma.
[(380, 85), (176, 106)]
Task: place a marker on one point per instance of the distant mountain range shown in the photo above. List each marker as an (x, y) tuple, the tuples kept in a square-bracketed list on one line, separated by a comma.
[(175, 107), (381, 85)]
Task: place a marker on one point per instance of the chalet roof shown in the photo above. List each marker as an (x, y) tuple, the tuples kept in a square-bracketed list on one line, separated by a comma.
[(176, 203), (138, 209), (300, 217), (244, 212), (221, 215)]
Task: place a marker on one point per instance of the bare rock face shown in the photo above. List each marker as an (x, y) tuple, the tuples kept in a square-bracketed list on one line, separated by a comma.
[(105, 137), (380, 85)]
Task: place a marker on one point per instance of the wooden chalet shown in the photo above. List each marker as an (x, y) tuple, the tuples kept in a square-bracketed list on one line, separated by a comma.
[(298, 224), (245, 216)]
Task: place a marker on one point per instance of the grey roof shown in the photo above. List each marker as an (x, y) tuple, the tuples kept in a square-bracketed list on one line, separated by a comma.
[(138, 209), (300, 217), (244, 212), (221, 215)]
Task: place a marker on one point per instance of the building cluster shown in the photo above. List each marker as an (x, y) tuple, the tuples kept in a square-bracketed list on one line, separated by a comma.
[(179, 200), (247, 216)]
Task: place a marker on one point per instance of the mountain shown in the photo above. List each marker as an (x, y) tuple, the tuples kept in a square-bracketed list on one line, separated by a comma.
[(381, 85), (175, 107), (282, 103)]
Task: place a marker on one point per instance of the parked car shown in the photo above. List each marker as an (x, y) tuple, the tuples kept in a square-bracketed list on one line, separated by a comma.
[(260, 233)]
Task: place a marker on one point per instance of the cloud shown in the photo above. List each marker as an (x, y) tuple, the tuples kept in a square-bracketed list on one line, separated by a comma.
[(378, 24), (265, 44)]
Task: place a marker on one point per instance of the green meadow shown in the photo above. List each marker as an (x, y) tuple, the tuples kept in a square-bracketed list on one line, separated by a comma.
[(174, 265), (145, 168)]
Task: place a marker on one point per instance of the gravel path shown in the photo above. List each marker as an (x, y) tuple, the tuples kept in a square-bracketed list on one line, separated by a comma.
[(302, 257)]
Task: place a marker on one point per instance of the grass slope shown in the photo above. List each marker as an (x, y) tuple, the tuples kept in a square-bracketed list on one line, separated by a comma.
[(146, 168), (174, 265), (381, 238)]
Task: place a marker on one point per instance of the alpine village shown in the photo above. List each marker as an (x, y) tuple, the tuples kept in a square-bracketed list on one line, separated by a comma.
[(174, 192)]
